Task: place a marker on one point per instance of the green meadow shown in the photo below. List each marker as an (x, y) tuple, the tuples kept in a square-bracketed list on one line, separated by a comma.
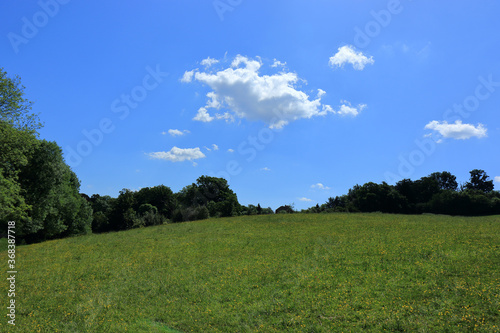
[(274, 273)]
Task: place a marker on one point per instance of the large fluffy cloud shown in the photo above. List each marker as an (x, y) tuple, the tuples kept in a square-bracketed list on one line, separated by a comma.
[(347, 54), (241, 91), (178, 154), (458, 130)]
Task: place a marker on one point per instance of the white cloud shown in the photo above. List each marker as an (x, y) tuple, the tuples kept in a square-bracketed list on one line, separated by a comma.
[(278, 63), (226, 115), (305, 199), (230, 150), (321, 93), (213, 102), (265, 169), (244, 93), (497, 179), (209, 62), (203, 116), (176, 132), (178, 154), (347, 54), (320, 186), (457, 131), (188, 76), (214, 147), (346, 109)]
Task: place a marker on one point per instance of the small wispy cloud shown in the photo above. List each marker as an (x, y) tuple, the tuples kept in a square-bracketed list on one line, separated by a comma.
[(497, 179), (176, 132), (188, 76), (320, 186), (178, 154), (278, 63), (230, 150), (209, 62), (305, 199), (265, 169), (346, 109)]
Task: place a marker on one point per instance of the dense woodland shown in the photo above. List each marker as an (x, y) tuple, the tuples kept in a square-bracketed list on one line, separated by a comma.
[(41, 193), (438, 193)]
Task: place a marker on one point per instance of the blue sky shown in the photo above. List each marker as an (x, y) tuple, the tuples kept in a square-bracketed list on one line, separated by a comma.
[(291, 101)]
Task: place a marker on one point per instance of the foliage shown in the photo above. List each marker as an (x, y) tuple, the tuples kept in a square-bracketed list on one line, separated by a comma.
[(255, 210), (159, 196), (479, 181), (52, 190), (16, 148), (37, 189), (102, 207), (437, 193), (208, 197), (286, 209), (445, 180), (373, 197), (12, 204), (210, 192), (14, 108)]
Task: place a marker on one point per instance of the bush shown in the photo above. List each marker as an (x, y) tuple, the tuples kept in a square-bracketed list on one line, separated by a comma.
[(285, 210), (151, 218), (100, 223), (177, 216), (190, 214), (146, 208)]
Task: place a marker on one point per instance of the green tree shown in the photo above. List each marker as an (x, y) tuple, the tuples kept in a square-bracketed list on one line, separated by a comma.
[(286, 209), (479, 181), (373, 197), (16, 148), (12, 204), (123, 214), (210, 192), (102, 208), (160, 196), (446, 181), (14, 108), (52, 189), (219, 198), (37, 189)]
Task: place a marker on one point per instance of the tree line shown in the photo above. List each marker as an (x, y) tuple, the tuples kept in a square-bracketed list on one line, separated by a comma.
[(438, 193), (208, 197), (40, 192)]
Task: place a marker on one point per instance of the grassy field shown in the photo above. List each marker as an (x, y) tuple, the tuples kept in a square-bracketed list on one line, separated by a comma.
[(281, 273)]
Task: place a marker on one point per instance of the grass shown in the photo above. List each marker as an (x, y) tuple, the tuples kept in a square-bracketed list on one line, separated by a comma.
[(281, 273)]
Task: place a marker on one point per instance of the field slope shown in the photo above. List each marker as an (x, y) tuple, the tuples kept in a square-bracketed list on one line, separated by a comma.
[(281, 273)]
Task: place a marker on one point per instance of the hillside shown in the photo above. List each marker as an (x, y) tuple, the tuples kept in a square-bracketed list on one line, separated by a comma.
[(283, 273)]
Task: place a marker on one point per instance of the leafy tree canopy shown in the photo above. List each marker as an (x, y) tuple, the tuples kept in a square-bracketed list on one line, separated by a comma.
[(14, 108)]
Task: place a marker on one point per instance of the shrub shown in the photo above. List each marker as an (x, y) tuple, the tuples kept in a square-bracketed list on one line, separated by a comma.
[(286, 209)]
